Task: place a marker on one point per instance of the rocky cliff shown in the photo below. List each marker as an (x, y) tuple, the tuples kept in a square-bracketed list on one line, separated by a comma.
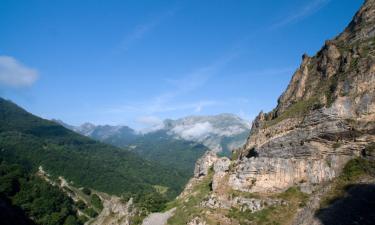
[(325, 117), (295, 156)]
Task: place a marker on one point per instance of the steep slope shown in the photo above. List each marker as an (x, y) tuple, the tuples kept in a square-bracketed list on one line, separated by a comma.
[(324, 118), (27, 199), (315, 147), (34, 142)]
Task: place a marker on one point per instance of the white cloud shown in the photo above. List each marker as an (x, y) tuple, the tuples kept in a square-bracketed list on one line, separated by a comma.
[(151, 123), (197, 130), (14, 74), (307, 10)]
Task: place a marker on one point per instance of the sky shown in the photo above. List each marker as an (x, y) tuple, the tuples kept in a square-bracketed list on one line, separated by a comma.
[(137, 62)]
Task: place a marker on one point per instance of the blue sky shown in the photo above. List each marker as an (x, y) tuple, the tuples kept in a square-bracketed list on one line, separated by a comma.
[(138, 62)]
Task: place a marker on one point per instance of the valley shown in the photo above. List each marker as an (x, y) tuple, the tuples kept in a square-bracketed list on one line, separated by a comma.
[(309, 161)]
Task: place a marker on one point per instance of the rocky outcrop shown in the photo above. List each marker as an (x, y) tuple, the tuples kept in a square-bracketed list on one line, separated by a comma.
[(220, 167), (115, 212), (242, 203), (325, 117), (203, 164), (158, 218), (197, 221)]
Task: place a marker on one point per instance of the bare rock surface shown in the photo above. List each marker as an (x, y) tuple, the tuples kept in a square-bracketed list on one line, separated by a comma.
[(324, 118), (158, 218), (203, 164)]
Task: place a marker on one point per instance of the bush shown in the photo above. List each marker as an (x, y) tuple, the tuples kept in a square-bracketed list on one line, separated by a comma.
[(96, 202), (80, 205), (86, 191), (153, 202), (90, 212)]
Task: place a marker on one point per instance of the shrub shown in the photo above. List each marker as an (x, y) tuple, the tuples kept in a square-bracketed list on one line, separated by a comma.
[(86, 191), (96, 202)]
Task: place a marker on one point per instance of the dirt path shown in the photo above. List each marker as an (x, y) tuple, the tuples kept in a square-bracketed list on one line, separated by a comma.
[(158, 218)]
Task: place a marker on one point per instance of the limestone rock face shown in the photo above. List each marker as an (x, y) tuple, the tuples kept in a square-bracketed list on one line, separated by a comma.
[(215, 201), (221, 167), (115, 212), (203, 164), (325, 117), (277, 174)]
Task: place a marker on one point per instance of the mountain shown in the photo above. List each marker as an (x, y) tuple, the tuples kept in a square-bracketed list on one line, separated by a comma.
[(178, 143), (311, 159), (220, 133), (33, 142), (157, 146), (115, 135)]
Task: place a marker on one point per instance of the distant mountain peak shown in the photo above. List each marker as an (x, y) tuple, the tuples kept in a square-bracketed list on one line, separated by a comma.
[(219, 132), (222, 132)]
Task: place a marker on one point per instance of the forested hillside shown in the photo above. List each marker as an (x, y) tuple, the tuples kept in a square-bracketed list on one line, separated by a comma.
[(174, 153), (32, 141), (24, 196)]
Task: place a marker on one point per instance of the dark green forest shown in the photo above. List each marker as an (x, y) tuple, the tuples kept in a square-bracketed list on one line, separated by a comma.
[(174, 153), (31, 141), (24, 196)]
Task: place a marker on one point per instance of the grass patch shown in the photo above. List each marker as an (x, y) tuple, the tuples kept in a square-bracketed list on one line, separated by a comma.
[(296, 110), (235, 155), (294, 195), (246, 217), (96, 202), (235, 193), (189, 207), (90, 212), (275, 215), (353, 171), (160, 189)]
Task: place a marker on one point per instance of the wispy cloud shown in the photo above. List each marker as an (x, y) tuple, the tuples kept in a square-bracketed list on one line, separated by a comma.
[(168, 101), (142, 29), (15, 74), (302, 13), (151, 123)]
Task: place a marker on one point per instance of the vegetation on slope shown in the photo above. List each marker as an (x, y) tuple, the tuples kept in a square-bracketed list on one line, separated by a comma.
[(189, 207), (36, 199), (280, 214), (173, 153), (32, 141), (298, 109), (354, 171), (351, 197)]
